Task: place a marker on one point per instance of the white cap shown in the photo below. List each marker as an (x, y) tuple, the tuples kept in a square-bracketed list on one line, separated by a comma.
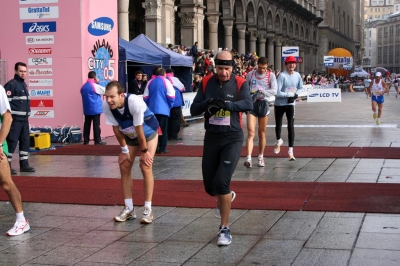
[(378, 74)]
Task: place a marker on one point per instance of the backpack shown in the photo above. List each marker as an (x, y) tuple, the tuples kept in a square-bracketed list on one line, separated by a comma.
[(74, 134), (239, 81)]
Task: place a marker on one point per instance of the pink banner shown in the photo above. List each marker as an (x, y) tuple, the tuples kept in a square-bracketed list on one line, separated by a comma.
[(60, 41)]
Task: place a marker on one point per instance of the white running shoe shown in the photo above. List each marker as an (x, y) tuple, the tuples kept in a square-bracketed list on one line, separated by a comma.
[(147, 216), (291, 156), (261, 162), (277, 148), (224, 236), (217, 211), (19, 228), (125, 214), (248, 163)]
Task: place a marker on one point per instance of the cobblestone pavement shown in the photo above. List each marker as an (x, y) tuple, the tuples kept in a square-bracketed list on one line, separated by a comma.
[(86, 235)]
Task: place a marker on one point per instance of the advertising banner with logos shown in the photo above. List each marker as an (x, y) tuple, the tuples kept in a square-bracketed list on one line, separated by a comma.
[(60, 41), (290, 51), (324, 95)]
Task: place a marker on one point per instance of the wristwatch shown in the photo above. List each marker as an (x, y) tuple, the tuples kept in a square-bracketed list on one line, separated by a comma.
[(145, 150)]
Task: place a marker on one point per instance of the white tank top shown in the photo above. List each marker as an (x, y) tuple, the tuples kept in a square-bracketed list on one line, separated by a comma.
[(377, 88)]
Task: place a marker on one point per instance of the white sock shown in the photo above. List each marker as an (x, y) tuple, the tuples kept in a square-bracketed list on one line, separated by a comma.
[(260, 156), (248, 157), (20, 216), (290, 149), (129, 203), (147, 204)]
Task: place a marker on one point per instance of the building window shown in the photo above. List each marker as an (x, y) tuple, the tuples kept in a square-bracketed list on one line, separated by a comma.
[(391, 54), (379, 55)]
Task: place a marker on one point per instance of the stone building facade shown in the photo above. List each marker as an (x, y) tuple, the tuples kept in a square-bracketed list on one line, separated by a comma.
[(261, 26)]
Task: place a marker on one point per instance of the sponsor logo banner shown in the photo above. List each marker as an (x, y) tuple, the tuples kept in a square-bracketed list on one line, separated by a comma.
[(44, 12), (42, 114), (101, 26), (40, 82), (40, 61), (41, 93), (45, 39), (41, 103), (102, 62), (324, 95), (290, 50), (39, 50), (22, 2), (39, 27), (40, 72), (329, 61)]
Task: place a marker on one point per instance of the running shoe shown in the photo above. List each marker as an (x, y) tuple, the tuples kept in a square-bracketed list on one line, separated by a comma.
[(291, 157), (147, 216), (126, 214), (277, 148), (19, 228), (261, 162), (374, 116), (248, 163), (224, 236), (217, 211), (378, 122)]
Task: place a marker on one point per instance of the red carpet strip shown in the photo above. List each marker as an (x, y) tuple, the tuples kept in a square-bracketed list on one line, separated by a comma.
[(197, 151), (253, 195)]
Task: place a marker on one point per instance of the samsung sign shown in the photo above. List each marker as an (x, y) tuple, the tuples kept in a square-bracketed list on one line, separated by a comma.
[(290, 50), (324, 95), (101, 26), (39, 27)]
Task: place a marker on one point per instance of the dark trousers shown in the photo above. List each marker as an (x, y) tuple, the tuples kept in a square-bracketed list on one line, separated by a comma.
[(163, 139), (290, 113), (96, 128), (19, 132), (174, 122)]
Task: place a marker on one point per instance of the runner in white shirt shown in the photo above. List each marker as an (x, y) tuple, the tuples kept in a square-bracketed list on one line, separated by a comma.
[(263, 85), (21, 225), (376, 90)]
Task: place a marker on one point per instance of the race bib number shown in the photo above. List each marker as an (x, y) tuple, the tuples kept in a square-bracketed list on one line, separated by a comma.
[(291, 89), (130, 132), (377, 93), (221, 118), (256, 87)]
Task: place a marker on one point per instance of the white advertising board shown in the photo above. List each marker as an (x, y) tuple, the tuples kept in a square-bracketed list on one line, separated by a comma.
[(324, 95)]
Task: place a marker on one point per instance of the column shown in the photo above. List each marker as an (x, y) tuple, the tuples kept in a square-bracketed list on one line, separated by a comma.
[(123, 19), (213, 19), (168, 20), (253, 40), (278, 54), (270, 47), (192, 20), (228, 27), (301, 66), (241, 27), (261, 42), (153, 20)]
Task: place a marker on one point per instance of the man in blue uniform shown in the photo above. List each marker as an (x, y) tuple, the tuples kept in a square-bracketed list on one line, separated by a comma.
[(18, 96), (92, 108)]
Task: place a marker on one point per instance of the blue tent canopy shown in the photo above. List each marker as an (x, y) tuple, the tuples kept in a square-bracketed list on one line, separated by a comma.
[(138, 56), (176, 59)]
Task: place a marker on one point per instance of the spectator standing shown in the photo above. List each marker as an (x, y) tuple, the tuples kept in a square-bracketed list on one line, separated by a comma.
[(174, 120), (159, 96), (194, 51), (136, 84), (18, 96), (92, 108)]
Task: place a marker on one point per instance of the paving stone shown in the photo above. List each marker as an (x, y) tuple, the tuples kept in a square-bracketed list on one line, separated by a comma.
[(212, 254), (322, 257), (64, 255), (305, 176), (366, 178), (172, 251), (339, 225), (378, 241), (273, 252), (256, 222), (154, 233), (96, 239), (83, 225), (120, 252), (381, 223), (292, 229), (389, 179), (374, 257), (331, 240)]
